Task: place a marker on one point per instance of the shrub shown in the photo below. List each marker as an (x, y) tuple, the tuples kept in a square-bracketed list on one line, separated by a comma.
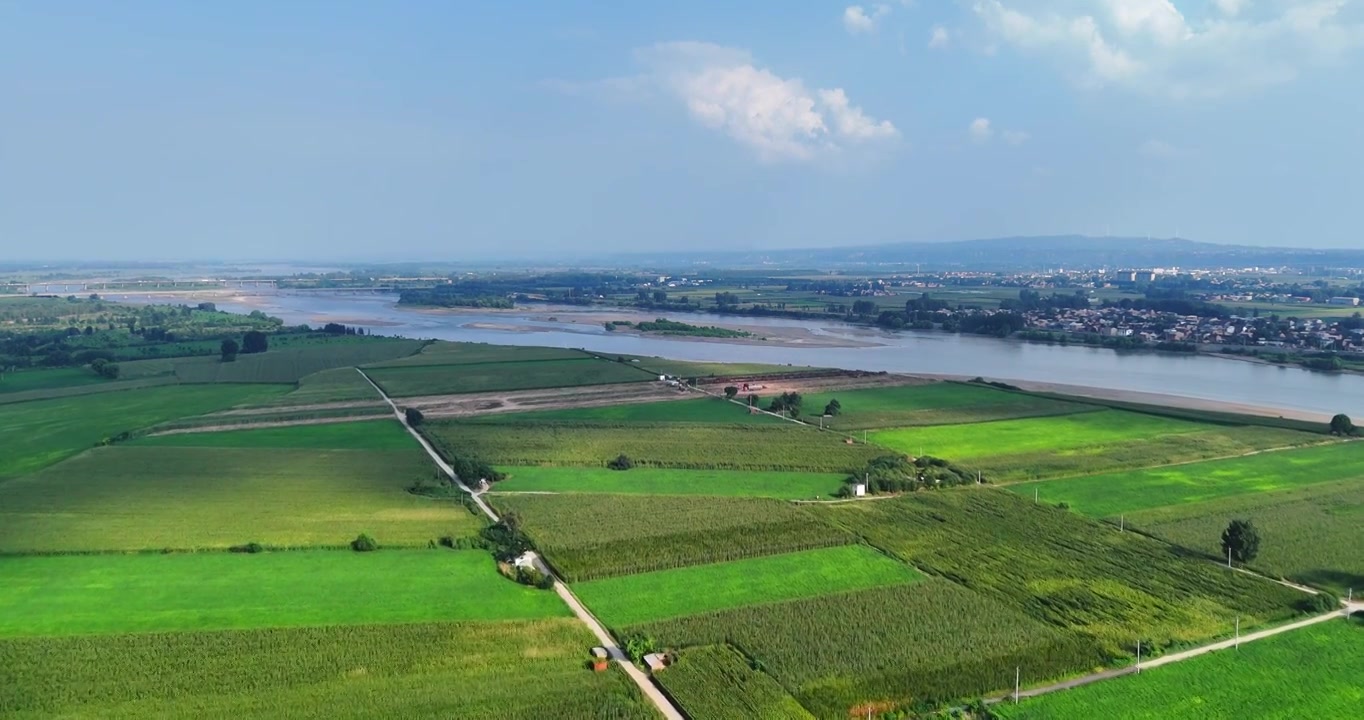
[(622, 462), (364, 543), (414, 416), (251, 547), (1321, 602)]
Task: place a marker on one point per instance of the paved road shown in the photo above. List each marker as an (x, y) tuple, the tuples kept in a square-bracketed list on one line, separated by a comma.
[(646, 685)]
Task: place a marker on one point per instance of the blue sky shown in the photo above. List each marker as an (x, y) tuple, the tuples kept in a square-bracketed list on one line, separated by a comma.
[(453, 130)]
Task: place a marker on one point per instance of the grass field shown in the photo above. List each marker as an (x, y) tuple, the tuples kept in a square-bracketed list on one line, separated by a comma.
[(662, 481), (1084, 443), (412, 381), (587, 537), (1065, 569), (633, 599), (689, 369), (1309, 534), (453, 353), (700, 410), (386, 434), (284, 365), (696, 447), (1112, 494), (473, 671), (135, 498), (336, 385), (29, 380), (933, 404), (1307, 673), (20, 396), (717, 683), (57, 429), (927, 642), (76, 594)]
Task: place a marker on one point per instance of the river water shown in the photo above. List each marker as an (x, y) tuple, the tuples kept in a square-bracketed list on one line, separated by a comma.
[(1207, 378)]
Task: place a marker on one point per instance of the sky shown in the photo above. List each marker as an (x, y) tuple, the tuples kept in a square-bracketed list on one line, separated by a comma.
[(334, 131)]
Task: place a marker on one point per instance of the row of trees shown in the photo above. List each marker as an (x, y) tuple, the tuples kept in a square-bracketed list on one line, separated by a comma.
[(254, 341)]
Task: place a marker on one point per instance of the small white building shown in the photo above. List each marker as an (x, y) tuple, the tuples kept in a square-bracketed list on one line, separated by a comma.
[(528, 560), (859, 489)]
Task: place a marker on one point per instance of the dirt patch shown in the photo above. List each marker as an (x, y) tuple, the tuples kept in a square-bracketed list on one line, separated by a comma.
[(266, 424)]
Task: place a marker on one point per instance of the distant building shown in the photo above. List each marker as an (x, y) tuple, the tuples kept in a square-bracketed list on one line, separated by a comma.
[(1347, 301)]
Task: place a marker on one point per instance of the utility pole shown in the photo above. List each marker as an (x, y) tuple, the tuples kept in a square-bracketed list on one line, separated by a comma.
[(1138, 657), (1122, 523), (1034, 495), (1018, 674), (1228, 556)]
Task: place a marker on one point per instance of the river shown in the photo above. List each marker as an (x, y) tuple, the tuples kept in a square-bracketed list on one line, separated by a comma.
[(1193, 376)]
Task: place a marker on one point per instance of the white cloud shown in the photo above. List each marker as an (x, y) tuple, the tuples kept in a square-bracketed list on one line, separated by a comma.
[(940, 38), (1158, 149), (856, 19), (778, 118), (1154, 47), (1015, 137), (980, 130)]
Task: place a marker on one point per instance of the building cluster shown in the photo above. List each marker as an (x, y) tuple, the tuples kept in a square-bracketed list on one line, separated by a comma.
[(1152, 327)]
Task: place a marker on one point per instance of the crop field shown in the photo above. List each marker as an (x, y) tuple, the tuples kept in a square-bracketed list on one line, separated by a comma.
[(1065, 569), (696, 447), (28, 380), (136, 498), (633, 599), (663, 481), (1307, 673), (488, 377), (19, 396), (1112, 494), (1310, 534), (78, 594), (689, 369), (1084, 443), (928, 642), (336, 385), (286, 365), (716, 682), (454, 353), (56, 429), (467, 670), (231, 421), (700, 410), (934, 404), (587, 537), (386, 434)]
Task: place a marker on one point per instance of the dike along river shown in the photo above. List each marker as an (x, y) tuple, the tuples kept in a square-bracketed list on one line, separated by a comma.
[(1205, 378)]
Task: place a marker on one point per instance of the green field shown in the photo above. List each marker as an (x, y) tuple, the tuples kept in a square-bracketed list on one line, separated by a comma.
[(716, 682), (328, 386), (928, 642), (633, 599), (386, 434), (1066, 570), (1084, 443), (77, 594), (587, 537), (689, 369), (699, 410), (1309, 534), (1307, 673), (696, 447), (497, 376), (136, 498), (52, 430), (453, 353), (288, 364), (938, 403), (30, 380), (662, 481), (472, 671), (1116, 493), (71, 391)]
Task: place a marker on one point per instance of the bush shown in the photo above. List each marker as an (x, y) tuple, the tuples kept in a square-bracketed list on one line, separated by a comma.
[(1321, 602), (251, 547), (622, 462), (364, 543), (414, 416)]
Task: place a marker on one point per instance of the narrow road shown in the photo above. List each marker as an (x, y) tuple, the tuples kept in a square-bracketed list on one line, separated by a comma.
[(646, 686)]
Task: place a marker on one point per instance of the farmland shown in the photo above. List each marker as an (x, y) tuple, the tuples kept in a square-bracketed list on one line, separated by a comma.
[(662, 481), (1084, 443), (408, 381), (30, 380), (690, 369), (284, 365), (716, 682), (1066, 570), (1309, 534), (336, 385), (1112, 494), (700, 410), (474, 670), (699, 447), (1308, 673), (587, 537), (622, 601), (936, 403), (135, 498), (454, 353), (386, 434), (79, 594), (925, 642)]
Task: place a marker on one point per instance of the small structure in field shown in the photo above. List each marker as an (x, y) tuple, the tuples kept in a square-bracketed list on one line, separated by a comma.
[(859, 489), (656, 662), (527, 560), (600, 659)]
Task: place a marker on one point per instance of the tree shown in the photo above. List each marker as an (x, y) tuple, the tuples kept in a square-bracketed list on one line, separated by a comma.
[(622, 462), (753, 400), (1343, 426), (255, 341), (1241, 540), (229, 350), (730, 392), (414, 416), (833, 408), (364, 543)]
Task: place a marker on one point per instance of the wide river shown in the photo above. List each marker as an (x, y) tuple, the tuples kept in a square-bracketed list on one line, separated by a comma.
[(1206, 378)]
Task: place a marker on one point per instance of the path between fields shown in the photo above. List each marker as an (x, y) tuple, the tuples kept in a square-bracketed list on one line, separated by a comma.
[(646, 686), (1344, 612)]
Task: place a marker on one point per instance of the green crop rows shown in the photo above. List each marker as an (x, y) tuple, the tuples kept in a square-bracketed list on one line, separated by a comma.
[(452, 353), (386, 434), (716, 682), (933, 404), (699, 410), (663, 481), (409, 381)]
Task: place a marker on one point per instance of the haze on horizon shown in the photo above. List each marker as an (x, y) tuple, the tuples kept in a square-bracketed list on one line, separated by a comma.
[(419, 130)]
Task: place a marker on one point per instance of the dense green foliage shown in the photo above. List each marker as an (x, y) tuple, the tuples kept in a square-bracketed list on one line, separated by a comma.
[(939, 403), (473, 671), (409, 381), (1241, 541), (697, 410), (369, 435), (663, 326), (1066, 570), (633, 599), (1307, 673), (717, 683), (586, 537), (897, 473), (663, 481), (77, 594)]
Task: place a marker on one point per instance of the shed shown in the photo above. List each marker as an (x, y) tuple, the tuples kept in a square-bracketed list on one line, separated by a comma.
[(859, 489), (656, 661)]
